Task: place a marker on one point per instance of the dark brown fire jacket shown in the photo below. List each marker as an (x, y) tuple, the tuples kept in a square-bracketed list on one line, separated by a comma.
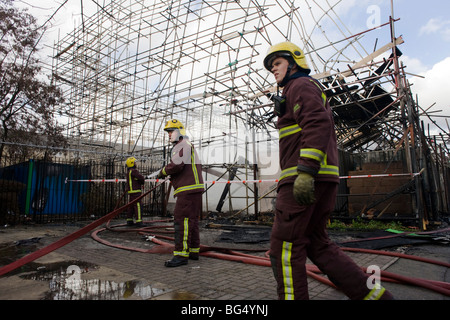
[(135, 180), (185, 169), (307, 140)]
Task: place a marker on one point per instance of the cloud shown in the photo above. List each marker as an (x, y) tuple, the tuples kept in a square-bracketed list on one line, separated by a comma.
[(432, 26), (436, 26), (413, 65), (433, 89)]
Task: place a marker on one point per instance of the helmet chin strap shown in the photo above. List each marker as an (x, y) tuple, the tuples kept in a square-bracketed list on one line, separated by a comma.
[(175, 137), (286, 76)]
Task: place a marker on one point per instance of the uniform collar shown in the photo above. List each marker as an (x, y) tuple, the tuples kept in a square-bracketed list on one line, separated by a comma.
[(298, 74)]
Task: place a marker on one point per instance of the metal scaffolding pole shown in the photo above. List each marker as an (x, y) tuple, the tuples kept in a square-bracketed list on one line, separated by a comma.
[(133, 65)]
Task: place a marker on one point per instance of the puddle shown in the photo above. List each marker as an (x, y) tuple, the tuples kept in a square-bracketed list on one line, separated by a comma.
[(66, 283), (244, 235), (183, 295), (11, 252), (79, 280)]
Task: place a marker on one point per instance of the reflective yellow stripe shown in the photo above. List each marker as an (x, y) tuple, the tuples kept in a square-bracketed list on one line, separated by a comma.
[(186, 234), (185, 251), (324, 96), (130, 182), (375, 293), (194, 167), (194, 250), (139, 218), (292, 171), (328, 169), (181, 253), (187, 188), (287, 131), (324, 169), (197, 184), (287, 270), (312, 153)]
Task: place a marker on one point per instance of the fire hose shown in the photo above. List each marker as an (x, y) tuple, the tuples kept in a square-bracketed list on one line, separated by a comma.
[(71, 237), (312, 270), (220, 252)]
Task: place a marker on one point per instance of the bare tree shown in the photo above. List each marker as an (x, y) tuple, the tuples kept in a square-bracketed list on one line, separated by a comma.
[(28, 103)]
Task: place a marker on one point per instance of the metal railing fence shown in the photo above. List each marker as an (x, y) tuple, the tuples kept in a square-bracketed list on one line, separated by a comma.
[(47, 191)]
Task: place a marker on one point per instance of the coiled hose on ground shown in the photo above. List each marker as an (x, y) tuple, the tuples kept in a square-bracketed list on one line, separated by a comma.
[(219, 252), (237, 255)]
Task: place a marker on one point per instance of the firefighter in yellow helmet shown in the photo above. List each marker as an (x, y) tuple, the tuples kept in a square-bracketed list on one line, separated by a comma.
[(176, 130), (185, 171), (308, 184), (293, 54), (134, 182)]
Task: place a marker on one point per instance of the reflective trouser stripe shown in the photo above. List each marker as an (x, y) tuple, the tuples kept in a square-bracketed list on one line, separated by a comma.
[(375, 293), (287, 270), (185, 251), (185, 235), (136, 209), (138, 205)]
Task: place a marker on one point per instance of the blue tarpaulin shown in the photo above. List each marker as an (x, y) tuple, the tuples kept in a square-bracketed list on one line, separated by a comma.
[(46, 189)]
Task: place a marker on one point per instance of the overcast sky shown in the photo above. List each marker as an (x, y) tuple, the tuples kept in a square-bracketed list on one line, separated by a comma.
[(424, 26)]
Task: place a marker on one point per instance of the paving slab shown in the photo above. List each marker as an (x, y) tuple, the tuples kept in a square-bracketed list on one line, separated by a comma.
[(119, 274)]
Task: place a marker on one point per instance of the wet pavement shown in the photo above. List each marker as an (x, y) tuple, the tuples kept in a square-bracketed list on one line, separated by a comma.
[(86, 269)]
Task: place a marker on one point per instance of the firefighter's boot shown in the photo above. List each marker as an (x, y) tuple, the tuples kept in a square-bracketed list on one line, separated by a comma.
[(193, 256), (176, 261)]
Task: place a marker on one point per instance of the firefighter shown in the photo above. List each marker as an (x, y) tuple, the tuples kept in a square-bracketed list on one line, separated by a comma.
[(185, 171), (308, 184), (135, 181)]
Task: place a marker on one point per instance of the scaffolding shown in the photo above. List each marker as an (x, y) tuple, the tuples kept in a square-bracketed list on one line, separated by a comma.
[(133, 65)]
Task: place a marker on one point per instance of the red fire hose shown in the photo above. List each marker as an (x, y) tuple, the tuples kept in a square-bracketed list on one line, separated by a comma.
[(220, 253), (69, 238), (312, 270)]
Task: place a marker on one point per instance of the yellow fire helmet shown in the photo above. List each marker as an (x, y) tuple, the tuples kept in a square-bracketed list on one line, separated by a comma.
[(284, 49), (175, 124), (130, 162)]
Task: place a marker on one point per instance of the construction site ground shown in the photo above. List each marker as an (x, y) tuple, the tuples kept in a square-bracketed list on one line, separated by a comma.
[(86, 269)]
